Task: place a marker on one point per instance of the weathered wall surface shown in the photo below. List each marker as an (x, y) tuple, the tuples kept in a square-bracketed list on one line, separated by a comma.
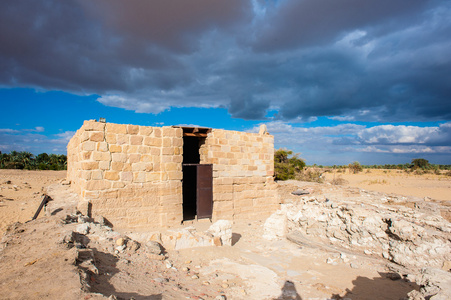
[(132, 175), (243, 169)]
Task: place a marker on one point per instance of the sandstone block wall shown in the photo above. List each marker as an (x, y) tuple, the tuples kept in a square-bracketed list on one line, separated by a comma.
[(132, 175), (129, 174), (243, 169)]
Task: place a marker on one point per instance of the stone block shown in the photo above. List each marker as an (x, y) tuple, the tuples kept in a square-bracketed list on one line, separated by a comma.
[(177, 142), (175, 175), (90, 165), (133, 129), (134, 158), (89, 146), (136, 140), (120, 157), (115, 149), (155, 152), (144, 149), (169, 132), (104, 165), (167, 142), (96, 136), (152, 141), (102, 146), (110, 138), (111, 175), (168, 151), (145, 130), (139, 177), (157, 132), (101, 156), (126, 176), (83, 137), (117, 166), (152, 177), (116, 128), (122, 139), (86, 155), (96, 185), (86, 175), (92, 125), (97, 175)]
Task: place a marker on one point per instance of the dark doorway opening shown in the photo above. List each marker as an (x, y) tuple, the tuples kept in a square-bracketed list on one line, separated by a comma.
[(197, 184)]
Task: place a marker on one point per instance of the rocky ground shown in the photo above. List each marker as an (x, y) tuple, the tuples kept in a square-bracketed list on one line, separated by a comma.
[(327, 242)]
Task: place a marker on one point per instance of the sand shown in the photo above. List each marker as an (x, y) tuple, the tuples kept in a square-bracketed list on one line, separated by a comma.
[(252, 269), (437, 187)]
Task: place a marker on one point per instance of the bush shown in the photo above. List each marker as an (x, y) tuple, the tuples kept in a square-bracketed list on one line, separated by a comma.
[(311, 175), (420, 163), (287, 165), (355, 167)]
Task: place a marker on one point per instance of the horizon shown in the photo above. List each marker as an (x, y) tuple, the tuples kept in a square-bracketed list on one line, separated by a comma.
[(335, 82)]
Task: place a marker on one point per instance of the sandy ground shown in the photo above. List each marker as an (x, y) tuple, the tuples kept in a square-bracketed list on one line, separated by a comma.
[(21, 193), (253, 268), (432, 186)]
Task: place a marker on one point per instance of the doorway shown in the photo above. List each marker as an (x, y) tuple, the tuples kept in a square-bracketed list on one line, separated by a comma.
[(197, 183)]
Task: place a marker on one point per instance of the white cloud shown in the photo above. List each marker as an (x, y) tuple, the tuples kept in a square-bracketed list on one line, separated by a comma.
[(345, 142)]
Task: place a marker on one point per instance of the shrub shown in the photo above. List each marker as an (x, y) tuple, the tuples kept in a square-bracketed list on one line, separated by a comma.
[(355, 167), (287, 165)]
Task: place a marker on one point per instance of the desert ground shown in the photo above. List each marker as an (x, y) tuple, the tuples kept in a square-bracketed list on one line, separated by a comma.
[(301, 252)]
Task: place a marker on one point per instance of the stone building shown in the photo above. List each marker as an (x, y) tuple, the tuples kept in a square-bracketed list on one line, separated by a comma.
[(140, 176)]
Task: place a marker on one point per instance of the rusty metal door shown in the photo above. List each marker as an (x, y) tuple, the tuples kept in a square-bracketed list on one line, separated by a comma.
[(204, 191)]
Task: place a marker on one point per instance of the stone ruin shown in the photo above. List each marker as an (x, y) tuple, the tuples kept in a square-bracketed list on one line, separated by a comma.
[(137, 177)]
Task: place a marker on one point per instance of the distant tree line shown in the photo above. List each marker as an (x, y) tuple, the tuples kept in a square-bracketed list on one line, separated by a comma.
[(288, 165), (28, 161), (416, 164)]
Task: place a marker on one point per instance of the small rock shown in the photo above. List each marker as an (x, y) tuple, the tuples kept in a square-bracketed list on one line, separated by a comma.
[(300, 192), (206, 283), (168, 264), (153, 247), (82, 228), (185, 269), (331, 261), (187, 262), (120, 248), (446, 266), (195, 277), (394, 276), (220, 297), (354, 266), (224, 285), (120, 241), (414, 295), (159, 280)]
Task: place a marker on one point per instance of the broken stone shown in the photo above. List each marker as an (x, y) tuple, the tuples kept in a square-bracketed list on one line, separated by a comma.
[(120, 241), (133, 246), (300, 192), (153, 247), (168, 264), (275, 226), (82, 228), (223, 230)]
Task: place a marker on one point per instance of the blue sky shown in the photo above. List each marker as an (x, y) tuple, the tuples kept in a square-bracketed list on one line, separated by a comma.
[(336, 81)]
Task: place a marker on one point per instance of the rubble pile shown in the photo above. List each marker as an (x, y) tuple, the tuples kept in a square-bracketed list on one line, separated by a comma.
[(411, 235), (405, 236)]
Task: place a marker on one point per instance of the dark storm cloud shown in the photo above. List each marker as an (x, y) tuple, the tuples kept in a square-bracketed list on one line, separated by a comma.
[(352, 60), (318, 22)]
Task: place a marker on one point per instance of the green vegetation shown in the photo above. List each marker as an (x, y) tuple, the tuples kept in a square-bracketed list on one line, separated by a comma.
[(287, 165), (355, 167), (26, 160)]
